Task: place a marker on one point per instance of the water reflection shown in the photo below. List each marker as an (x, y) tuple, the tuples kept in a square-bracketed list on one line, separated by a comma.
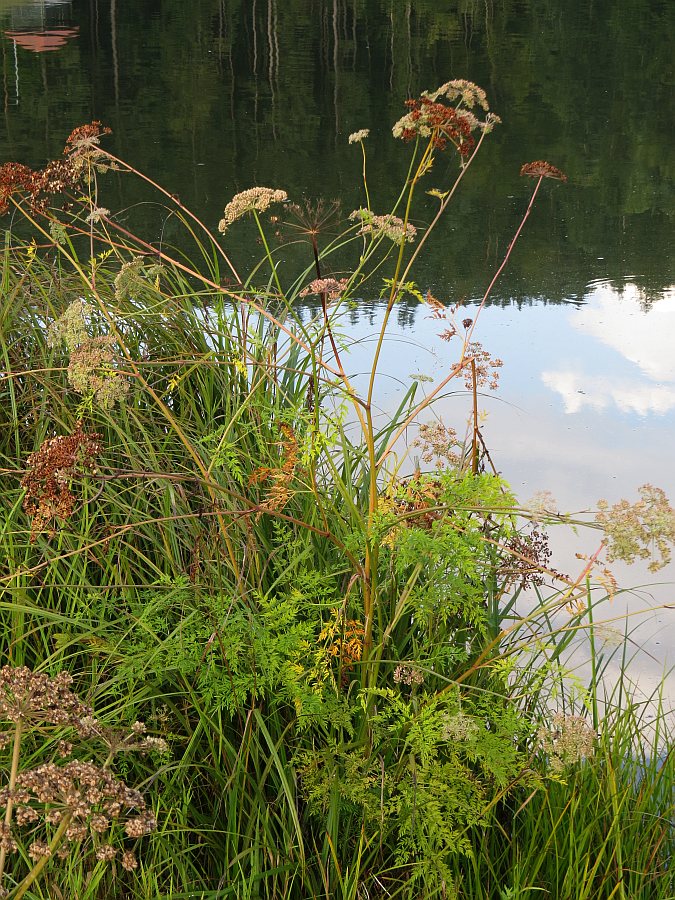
[(641, 376)]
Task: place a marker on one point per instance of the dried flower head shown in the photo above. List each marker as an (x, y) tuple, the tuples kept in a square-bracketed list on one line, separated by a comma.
[(387, 226), (434, 116), (256, 199), (541, 169), (439, 444), (358, 137), (40, 186), (409, 675), (639, 530), (331, 286), (39, 699), (487, 367), (568, 740), (51, 470), (85, 138)]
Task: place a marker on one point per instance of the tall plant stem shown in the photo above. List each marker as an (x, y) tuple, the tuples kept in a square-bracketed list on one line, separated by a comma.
[(13, 773), (460, 365), (174, 199), (42, 862), (166, 412), (506, 256)]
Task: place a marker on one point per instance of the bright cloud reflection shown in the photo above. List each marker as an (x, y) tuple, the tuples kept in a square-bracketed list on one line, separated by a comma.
[(643, 335), (579, 390)]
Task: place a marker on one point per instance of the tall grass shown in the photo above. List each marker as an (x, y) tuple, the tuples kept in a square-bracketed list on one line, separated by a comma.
[(354, 701)]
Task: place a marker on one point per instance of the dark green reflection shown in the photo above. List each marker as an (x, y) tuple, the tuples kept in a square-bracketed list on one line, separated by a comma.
[(214, 96)]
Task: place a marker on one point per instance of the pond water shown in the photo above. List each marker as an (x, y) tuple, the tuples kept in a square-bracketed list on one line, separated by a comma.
[(215, 96)]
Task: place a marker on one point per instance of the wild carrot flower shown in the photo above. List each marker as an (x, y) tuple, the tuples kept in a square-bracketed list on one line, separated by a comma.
[(388, 226), (254, 199)]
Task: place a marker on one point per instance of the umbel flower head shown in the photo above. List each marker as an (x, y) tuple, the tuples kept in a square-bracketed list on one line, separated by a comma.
[(256, 199), (39, 699), (388, 226), (445, 116), (542, 169)]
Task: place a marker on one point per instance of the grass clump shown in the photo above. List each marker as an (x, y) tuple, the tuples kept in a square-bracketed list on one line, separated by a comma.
[(206, 528)]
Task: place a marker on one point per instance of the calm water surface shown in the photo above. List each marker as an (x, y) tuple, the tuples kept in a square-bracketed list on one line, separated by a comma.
[(215, 96)]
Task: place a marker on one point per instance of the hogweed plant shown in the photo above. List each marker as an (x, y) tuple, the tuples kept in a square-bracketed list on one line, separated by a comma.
[(69, 805), (203, 519)]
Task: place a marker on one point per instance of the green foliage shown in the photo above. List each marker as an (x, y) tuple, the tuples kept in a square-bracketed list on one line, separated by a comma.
[(332, 650)]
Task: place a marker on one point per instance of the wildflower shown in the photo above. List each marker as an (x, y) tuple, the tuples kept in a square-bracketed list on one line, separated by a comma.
[(50, 469), (38, 849), (487, 368), (105, 853), (437, 443), (541, 169), (39, 699), (460, 727), (256, 199), (636, 530), (430, 116), (85, 138), (358, 136), (91, 372), (97, 213), (466, 92), (71, 326), (331, 286), (387, 226), (409, 675), (568, 740), (7, 842), (129, 861)]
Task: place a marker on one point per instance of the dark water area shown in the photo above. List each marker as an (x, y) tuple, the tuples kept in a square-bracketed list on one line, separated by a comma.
[(215, 96)]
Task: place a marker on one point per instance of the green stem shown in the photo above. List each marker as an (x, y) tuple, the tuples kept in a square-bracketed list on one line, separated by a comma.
[(13, 772), (42, 862), (268, 253)]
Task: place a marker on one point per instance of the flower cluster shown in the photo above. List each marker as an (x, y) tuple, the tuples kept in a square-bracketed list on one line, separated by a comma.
[(387, 226), (39, 699), (430, 116), (438, 444), (92, 369), (38, 186), (541, 169), (333, 287), (57, 176), (568, 740), (280, 492), (50, 470), (358, 137), (404, 674), (636, 530), (84, 799), (256, 199), (487, 367), (460, 727)]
